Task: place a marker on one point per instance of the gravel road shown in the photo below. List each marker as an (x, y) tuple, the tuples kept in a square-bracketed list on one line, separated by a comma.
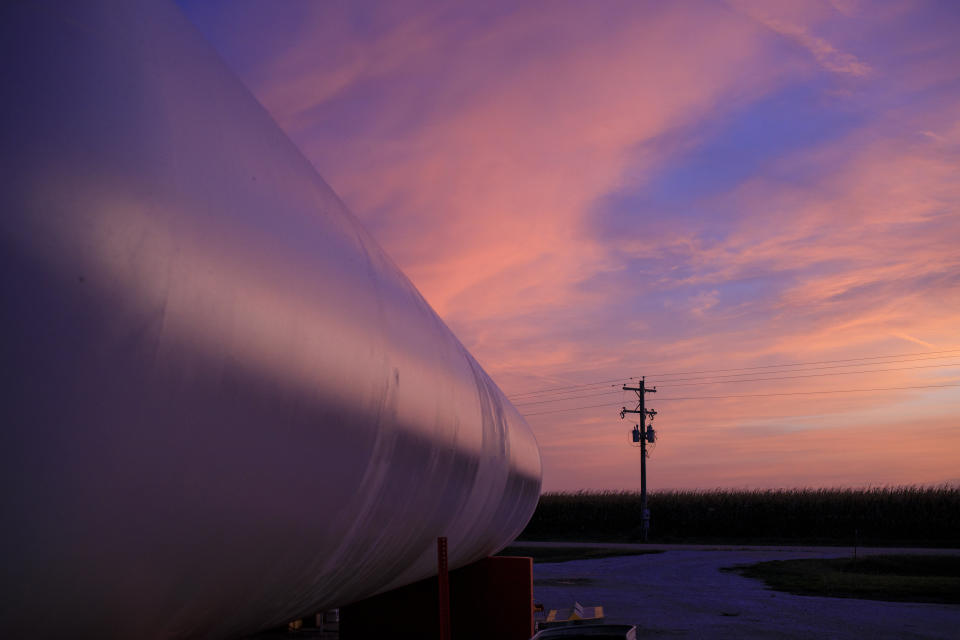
[(682, 593)]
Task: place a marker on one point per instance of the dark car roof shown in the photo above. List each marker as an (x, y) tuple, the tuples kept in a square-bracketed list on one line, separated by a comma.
[(592, 632)]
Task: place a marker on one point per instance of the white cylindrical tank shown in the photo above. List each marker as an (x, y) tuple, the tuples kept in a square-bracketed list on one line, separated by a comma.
[(223, 406)]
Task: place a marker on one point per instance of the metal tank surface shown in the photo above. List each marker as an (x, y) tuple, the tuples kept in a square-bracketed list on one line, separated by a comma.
[(223, 406)]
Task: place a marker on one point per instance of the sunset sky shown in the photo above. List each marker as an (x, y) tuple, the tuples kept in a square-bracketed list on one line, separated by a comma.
[(588, 191)]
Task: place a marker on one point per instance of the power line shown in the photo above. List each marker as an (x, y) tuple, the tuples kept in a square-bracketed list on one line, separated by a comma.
[(835, 366), (595, 386), (670, 385), (800, 364), (814, 375), (586, 395), (574, 386), (811, 393), (758, 395), (569, 388)]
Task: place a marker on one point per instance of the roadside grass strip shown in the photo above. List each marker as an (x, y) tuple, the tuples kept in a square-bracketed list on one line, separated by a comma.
[(895, 578)]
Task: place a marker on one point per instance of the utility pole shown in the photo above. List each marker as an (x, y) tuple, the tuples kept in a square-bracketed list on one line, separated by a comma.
[(642, 434)]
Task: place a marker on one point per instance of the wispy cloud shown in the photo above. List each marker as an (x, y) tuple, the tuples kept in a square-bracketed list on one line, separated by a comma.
[(909, 338), (787, 20)]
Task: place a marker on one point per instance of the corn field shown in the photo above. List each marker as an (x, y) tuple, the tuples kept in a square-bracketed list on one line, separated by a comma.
[(882, 516)]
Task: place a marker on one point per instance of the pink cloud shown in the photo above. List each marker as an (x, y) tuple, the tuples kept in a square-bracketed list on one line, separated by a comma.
[(477, 146)]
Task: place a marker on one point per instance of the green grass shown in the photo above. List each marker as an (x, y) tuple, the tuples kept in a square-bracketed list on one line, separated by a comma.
[(882, 516), (542, 555), (901, 578)]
